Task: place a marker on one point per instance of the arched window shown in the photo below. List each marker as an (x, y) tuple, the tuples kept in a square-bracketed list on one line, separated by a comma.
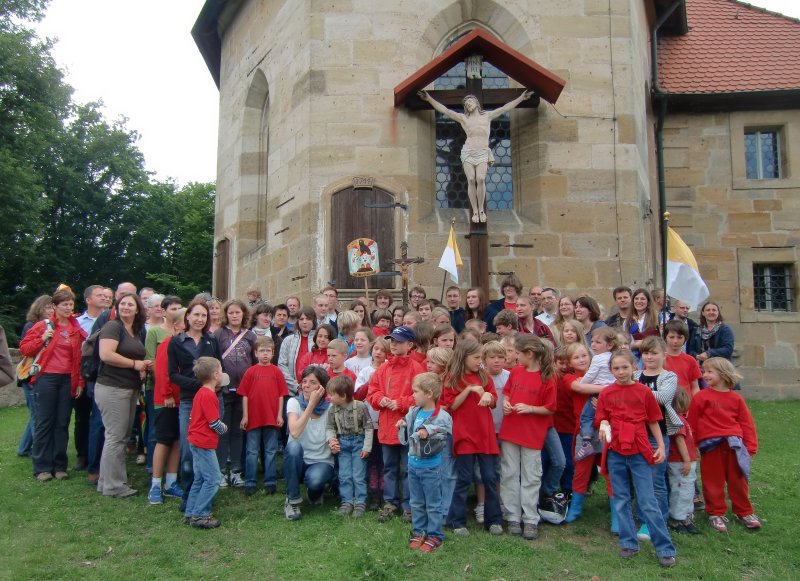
[(451, 183)]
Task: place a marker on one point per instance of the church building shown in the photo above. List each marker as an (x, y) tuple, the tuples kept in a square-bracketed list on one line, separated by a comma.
[(642, 109)]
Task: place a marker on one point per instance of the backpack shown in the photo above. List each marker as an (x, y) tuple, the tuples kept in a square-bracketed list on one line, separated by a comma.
[(90, 355)]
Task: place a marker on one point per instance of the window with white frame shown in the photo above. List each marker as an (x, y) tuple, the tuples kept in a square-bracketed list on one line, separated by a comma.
[(762, 153), (773, 287)]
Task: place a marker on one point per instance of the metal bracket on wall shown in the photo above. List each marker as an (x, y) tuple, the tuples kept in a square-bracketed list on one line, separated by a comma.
[(393, 206)]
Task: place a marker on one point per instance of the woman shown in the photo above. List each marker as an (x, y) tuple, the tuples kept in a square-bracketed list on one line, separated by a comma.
[(238, 347), (155, 313), (642, 321), (475, 304), (398, 312), (566, 312), (214, 314), (712, 337), (59, 341), (357, 306), (295, 346), (510, 287), (587, 313), (116, 391), (318, 355), (307, 456), (41, 309), (182, 352), (261, 320)]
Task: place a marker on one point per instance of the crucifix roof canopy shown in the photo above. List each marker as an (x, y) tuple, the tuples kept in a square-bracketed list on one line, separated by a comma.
[(513, 63)]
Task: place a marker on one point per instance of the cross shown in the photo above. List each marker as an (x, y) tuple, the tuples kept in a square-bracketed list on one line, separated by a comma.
[(403, 263)]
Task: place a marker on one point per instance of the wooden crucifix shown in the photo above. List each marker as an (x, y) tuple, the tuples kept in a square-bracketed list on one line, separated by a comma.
[(403, 262)]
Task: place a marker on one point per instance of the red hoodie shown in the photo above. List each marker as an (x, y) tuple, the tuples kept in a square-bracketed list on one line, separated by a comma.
[(32, 344), (393, 380)]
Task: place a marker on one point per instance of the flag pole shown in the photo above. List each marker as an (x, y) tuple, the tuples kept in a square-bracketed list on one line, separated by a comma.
[(444, 278), (664, 255)]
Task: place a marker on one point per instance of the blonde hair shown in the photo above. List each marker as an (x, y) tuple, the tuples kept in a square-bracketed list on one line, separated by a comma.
[(578, 328), (727, 372), (429, 383), (681, 401), (652, 343), (177, 316), (384, 344), (456, 367), (609, 335), (339, 345), (493, 348), (348, 322), (205, 368), (439, 355)]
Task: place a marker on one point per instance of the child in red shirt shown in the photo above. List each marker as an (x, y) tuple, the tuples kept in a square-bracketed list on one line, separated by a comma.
[(205, 427), (726, 435), (469, 397), (626, 410), (682, 470), (676, 334), (529, 400), (263, 389), (383, 322), (337, 355)]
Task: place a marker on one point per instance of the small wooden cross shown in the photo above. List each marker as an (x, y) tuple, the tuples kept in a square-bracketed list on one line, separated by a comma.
[(403, 263)]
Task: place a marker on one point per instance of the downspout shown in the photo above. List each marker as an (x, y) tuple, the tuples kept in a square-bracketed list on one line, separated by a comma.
[(660, 99)]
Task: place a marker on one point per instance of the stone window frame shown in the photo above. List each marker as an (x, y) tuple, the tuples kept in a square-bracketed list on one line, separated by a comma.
[(789, 144), (779, 161), (746, 258), (776, 282)]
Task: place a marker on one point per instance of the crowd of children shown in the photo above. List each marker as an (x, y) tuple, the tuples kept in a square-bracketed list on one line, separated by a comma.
[(406, 416)]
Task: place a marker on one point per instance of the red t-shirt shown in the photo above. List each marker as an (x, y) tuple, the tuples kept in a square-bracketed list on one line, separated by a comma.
[(346, 372), (380, 332), (205, 410), (301, 351), (523, 386), (263, 386), (686, 432), (721, 414), (60, 360), (163, 386), (686, 368), (628, 408), (509, 306), (473, 426), (578, 399), (564, 419), (315, 357)]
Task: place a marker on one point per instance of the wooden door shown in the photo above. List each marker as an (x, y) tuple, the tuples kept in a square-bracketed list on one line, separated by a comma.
[(353, 215), (222, 269)]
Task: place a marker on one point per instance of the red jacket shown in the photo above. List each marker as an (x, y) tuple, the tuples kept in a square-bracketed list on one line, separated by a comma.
[(714, 414), (32, 344), (393, 380), (164, 388)]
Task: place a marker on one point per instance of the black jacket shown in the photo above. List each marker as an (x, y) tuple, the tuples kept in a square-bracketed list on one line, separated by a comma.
[(181, 360)]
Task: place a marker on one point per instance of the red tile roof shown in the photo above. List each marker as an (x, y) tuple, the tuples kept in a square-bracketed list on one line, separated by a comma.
[(730, 47)]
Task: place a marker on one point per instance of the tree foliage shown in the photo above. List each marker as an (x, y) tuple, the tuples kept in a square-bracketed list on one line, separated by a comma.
[(78, 204)]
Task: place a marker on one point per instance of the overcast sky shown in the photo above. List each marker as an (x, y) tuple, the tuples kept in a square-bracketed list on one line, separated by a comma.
[(138, 56)]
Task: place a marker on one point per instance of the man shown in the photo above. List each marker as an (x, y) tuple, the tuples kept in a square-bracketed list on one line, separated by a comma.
[(658, 301), (416, 296), (682, 315), (528, 324), (320, 306), (108, 293), (536, 299), (95, 298), (293, 304), (452, 298), (549, 304), (622, 297), (333, 301)]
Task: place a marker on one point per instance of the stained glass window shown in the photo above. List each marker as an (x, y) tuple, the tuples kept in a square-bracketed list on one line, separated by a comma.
[(762, 155)]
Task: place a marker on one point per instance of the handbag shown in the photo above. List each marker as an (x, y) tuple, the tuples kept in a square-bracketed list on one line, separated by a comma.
[(28, 367)]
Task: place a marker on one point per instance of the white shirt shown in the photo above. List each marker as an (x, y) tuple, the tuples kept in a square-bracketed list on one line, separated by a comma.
[(313, 440), (546, 318)]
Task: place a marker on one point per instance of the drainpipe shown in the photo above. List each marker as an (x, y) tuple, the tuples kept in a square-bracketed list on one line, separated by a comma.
[(661, 101)]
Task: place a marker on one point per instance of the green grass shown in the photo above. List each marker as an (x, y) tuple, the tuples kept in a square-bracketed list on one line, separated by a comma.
[(66, 530)]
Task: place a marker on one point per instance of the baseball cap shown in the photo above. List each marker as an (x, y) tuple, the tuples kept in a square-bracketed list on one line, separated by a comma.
[(403, 334)]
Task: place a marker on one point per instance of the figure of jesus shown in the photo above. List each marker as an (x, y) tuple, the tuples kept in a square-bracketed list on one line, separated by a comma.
[(476, 156)]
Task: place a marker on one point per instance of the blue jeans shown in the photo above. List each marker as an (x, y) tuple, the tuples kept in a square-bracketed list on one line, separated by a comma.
[(97, 435), (447, 473), (269, 437), (566, 441), (587, 419), (150, 428), (186, 465), (395, 459), (426, 499), (352, 470), (53, 402), (314, 476), (465, 468), (26, 443), (206, 481), (553, 461), (623, 471), (659, 482)]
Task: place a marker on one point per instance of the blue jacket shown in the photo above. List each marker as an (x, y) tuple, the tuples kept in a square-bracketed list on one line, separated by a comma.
[(719, 345)]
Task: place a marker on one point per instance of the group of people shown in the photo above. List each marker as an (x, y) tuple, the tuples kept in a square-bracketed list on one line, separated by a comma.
[(402, 410)]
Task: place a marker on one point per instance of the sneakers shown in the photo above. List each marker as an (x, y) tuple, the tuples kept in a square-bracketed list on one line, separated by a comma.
[(415, 542), (174, 491), (585, 451), (359, 511), (291, 510), (386, 512), (154, 496), (461, 532), (223, 480), (666, 561), (345, 509), (479, 513), (628, 553), (236, 479), (126, 493), (496, 530), (431, 544), (751, 521), (62, 475), (203, 522), (514, 529), (44, 477), (643, 534), (406, 516), (530, 532), (553, 509), (718, 523), (684, 527)]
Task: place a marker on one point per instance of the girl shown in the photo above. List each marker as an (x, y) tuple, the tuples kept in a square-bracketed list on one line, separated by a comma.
[(643, 319), (469, 396), (214, 314), (438, 358), (566, 312), (529, 399), (319, 350), (626, 410), (380, 349), (348, 323), (726, 436), (357, 306), (424, 331), (411, 319), (300, 342), (440, 316), (361, 358), (564, 418), (398, 313), (444, 336), (663, 384), (587, 313), (572, 332), (682, 467), (476, 304)]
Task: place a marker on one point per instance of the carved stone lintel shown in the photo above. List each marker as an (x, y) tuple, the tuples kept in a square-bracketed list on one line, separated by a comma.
[(363, 182)]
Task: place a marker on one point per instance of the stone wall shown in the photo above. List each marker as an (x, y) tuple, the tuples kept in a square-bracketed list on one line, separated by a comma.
[(732, 222)]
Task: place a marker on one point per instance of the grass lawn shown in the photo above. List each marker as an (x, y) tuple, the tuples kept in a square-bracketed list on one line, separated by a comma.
[(66, 530)]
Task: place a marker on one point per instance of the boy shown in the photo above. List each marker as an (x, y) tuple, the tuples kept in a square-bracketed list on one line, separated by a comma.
[(390, 393), (425, 308), (511, 351), (263, 390), (494, 359), (383, 322), (205, 427), (506, 323), (476, 325), (676, 334), (337, 355), (424, 430), (457, 314), (349, 434)]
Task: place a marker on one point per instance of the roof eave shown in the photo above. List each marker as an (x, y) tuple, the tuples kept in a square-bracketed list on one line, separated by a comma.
[(214, 17), (724, 101)]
